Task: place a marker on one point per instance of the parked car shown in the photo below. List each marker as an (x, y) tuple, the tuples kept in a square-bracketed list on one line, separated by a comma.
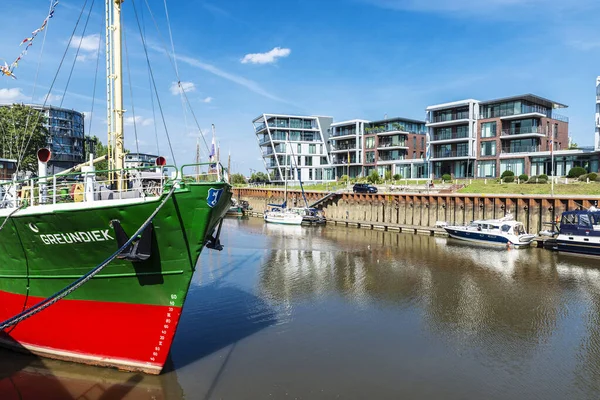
[(364, 188)]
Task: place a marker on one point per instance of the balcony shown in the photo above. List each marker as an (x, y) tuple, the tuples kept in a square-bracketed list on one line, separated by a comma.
[(449, 137), (392, 145), (519, 150), (285, 124), (525, 132), (393, 128), (343, 147), (451, 154), (451, 119), (344, 132), (260, 127), (383, 159), (339, 160)]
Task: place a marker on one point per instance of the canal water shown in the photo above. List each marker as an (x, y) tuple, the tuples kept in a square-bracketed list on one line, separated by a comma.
[(329, 312)]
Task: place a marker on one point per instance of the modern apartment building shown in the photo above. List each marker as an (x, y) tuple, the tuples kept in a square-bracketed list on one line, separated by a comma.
[(137, 160), (294, 147), (66, 137), (7, 168), (517, 134), (346, 147), (453, 135), (396, 146)]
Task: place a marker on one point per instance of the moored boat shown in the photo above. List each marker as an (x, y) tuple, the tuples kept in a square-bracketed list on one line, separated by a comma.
[(95, 266), (504, 231), (283, 216), (579, 232)]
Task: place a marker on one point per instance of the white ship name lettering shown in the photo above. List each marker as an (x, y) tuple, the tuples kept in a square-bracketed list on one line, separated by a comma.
[(76, 237)]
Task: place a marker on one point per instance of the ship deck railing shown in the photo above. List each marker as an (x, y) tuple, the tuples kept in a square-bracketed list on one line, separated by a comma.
[(100, 185)]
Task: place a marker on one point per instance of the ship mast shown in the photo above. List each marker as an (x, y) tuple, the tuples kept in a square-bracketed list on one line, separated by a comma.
[(114, 92)]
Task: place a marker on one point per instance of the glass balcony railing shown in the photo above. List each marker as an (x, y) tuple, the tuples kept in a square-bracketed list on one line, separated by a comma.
[(449, 117), (520, 149), (523, 130), (349, 146), (343, 132), (450, 153), (260, 127), (452, 135), (384, 158), (383, 144)]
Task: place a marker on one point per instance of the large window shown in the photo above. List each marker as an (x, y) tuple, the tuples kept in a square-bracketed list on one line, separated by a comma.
[(516, 165), (488, 149), (309, 161), (312, 149), (486, 169), (370, 142), (488, 129), (370, 157)]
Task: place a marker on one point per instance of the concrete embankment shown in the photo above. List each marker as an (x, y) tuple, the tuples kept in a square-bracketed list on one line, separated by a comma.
[(422, 211)]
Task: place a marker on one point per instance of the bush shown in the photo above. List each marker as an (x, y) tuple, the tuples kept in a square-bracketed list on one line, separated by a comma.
[(583, 178), (543, 176), (388, 175), (540, 180), (343, 178), (523, 177), (576, 172), (507, 173), (593, 176), (446, 178), (397, 177), (508, 179), (374, 177), (238, 179)]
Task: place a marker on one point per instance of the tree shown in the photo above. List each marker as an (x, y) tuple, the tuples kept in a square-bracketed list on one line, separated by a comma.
[(259, 177), (99, 150), (22, 134), (573, 145), (238, 179)]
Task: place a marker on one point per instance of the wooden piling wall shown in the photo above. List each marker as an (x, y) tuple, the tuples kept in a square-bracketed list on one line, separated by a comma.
[(424, 210)]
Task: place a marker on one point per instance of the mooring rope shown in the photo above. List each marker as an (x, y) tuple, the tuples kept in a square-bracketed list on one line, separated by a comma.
[(85, 278), (10, 215)]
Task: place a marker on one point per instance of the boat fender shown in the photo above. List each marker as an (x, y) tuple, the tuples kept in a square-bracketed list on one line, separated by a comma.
[(138, 250)]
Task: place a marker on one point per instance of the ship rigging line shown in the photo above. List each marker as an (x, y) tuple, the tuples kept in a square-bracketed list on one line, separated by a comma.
[(85, 278)]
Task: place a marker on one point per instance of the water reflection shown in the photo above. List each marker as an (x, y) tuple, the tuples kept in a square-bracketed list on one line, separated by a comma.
[(27, 377)]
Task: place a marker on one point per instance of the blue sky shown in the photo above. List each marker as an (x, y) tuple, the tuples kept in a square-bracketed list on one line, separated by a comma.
[(343, 58)]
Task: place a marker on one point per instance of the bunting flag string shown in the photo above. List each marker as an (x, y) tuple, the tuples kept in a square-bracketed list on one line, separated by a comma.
[(6, 69)]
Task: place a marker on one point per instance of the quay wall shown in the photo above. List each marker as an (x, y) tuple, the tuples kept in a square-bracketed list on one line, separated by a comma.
[(423, 209)]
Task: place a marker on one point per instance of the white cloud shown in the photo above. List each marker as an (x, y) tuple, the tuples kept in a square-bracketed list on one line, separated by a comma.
[(240, 80), (266, 58), (207, 100), (9, 96), (139, 121), (89, 43), (185, 86)]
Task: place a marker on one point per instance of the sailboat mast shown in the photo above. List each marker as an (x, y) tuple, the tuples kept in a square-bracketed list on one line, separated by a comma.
[(114, 62)]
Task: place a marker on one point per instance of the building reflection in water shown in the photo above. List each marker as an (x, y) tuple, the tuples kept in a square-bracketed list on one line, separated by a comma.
[(476, 297)]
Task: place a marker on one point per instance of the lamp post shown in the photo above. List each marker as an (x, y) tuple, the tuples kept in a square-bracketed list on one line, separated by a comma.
[(552, 166)]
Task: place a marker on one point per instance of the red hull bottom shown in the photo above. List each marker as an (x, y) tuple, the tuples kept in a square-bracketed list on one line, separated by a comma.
[(133, 337)]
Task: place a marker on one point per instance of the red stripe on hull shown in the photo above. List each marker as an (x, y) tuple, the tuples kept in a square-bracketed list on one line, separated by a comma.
[(128, 336)]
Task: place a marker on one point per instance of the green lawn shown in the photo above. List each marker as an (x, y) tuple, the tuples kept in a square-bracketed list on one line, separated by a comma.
[(577, 188)]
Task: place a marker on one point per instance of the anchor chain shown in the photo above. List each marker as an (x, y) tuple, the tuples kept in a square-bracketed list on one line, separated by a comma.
[(85, 278)]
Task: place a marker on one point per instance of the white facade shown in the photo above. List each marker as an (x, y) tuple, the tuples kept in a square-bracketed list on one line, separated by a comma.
[(294, 147), (346, 147), (597, 135)]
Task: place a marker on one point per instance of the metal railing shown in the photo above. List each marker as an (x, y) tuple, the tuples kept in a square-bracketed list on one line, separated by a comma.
[(344, 132), (391, 144), (94, 186)]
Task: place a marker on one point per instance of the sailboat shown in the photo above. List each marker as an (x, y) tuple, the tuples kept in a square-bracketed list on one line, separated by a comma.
[(280, 213), (97, 271)]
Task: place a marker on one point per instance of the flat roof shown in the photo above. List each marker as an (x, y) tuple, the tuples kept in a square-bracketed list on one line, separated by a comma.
[(452, 104), (383, 121), (289, 116), (350, 121), (528, 97)]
